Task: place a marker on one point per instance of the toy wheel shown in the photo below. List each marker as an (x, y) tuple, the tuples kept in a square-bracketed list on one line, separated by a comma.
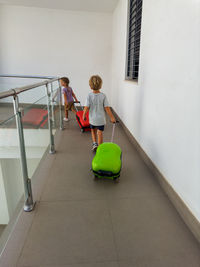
[(82, 130), (117, 180)]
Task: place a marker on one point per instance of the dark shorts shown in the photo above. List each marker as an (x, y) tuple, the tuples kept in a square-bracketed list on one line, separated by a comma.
[(100, 128), (69, 106)]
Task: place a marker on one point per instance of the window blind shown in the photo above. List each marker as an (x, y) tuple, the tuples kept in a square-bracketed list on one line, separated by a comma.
[(133, 43)]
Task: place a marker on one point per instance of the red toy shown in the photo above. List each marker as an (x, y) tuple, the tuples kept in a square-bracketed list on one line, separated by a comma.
[(36, 117), (84, 125)]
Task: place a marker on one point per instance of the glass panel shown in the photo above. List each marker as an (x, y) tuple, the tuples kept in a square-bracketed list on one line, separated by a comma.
[(6, 108), (31, 96), (36, 131), (35, 105), (55, 99), (11, 181), (55, 85)]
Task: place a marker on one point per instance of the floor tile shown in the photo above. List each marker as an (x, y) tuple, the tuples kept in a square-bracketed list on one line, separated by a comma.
[(149, 230), (102, 264), (18, 232), (72, 179), (135, 180), (2, 227), (80, 222), (169, 262), (70, 232)]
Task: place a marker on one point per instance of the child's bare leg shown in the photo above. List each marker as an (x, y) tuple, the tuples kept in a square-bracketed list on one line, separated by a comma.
[(94, 135), (100, 137), (66, 113)]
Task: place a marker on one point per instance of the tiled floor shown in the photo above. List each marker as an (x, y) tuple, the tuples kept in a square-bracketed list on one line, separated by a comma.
[(2, 227), (80, 222)]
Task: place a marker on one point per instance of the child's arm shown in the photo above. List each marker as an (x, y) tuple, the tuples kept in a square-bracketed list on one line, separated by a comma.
[(74, 96), (110, 114), (86, 109)]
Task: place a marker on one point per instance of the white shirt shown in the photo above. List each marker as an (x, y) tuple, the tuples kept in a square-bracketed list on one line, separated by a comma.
[(97, 103)]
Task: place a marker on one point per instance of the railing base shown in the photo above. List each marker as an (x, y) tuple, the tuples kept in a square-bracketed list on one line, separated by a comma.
[(29, 207), (52, 152), (52, 149)]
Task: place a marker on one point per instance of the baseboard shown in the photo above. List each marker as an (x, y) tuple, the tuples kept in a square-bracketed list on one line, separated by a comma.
[(181, 207)]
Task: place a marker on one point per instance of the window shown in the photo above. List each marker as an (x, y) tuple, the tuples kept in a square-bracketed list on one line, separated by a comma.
[(133, 42)]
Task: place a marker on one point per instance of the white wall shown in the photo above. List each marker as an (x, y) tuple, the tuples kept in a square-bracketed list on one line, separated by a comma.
[(162, 111), (55, 42)]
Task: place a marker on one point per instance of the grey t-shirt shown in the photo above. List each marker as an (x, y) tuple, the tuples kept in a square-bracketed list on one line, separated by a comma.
[(97, 103)]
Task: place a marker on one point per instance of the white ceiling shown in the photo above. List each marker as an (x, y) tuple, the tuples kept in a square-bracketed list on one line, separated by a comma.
[(82, 5)]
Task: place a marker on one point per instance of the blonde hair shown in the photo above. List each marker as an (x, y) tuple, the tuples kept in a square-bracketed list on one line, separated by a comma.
[(95, 82)]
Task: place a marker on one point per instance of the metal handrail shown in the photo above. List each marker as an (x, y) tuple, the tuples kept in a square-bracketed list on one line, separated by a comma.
[(18, 90), (26, 76)]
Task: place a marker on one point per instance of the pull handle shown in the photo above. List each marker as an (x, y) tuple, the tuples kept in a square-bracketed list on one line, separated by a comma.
[(113, 131), (78, 102)]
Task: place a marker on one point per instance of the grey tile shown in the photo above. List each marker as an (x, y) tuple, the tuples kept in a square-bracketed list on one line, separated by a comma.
[(149, 230), (17, 238), (102, 264), (71, 178), (41, 175), (158, 262), (77, 231), (74, 141), (2, 227), (7, 265), (135, 180), (70, 232)]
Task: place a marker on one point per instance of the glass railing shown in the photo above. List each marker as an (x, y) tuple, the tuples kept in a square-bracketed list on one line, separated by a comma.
[(29, 119), (11, 178), (36, 132), (6, 83), (56, 101)]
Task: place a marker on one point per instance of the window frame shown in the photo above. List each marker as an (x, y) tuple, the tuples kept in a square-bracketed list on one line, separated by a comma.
[(129, 20)]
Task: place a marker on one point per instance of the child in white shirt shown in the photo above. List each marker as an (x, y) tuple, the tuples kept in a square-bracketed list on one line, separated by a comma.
[(97, 104)]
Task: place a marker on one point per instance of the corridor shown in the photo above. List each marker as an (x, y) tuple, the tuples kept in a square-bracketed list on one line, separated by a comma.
[(79, 222)]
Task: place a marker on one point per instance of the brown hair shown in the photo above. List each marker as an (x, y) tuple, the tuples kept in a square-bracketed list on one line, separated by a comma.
[(95, 82), (65, 80)]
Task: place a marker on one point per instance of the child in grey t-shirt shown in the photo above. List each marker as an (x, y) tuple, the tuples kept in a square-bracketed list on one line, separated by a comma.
[(97, 104)]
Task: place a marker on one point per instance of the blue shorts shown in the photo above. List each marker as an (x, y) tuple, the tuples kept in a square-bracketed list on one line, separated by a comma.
[(100, 128)]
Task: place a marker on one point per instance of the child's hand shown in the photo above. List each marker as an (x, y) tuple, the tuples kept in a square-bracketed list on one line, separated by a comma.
[(113, 120)]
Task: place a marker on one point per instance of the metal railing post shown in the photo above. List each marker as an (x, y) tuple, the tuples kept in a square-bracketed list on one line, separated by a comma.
[(60, 106), (50, 123), (52, 105), (29, 204)]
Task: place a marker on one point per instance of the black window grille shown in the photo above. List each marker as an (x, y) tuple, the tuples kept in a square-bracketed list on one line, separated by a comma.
[(133, 43)]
